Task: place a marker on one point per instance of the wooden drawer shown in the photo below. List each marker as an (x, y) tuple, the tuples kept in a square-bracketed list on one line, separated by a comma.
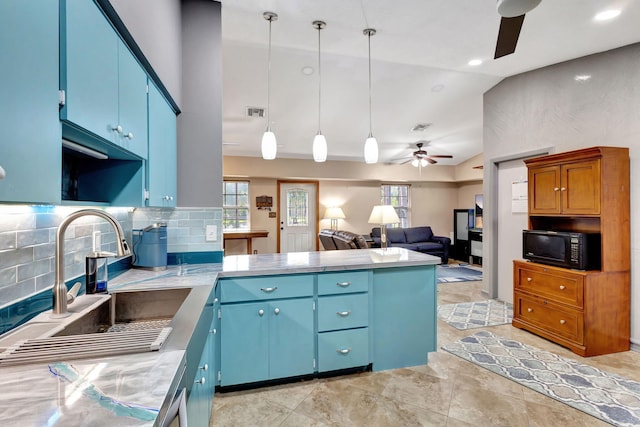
[(265, 287), (555, 319), (343, 282), (559, 285), (343, 349), (343, 312)]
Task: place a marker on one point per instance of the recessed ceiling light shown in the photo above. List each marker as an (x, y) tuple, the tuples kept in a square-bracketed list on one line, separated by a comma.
[(475, 62), (582, 77), (607, 14), (307, 70)]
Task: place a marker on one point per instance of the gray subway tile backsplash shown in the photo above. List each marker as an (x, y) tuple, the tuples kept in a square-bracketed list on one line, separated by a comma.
[(28, 235)]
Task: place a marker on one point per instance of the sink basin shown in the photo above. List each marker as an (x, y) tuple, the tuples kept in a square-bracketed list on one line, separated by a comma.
[(100, 325)]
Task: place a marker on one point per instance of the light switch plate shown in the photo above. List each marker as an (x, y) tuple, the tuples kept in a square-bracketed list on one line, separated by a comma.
[(211, 233)]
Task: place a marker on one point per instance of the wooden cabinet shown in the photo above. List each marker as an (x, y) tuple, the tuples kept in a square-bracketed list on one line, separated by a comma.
[(31, 129), (569, 189), (161, 164), (105, 86), (587, 311), (343, 320)]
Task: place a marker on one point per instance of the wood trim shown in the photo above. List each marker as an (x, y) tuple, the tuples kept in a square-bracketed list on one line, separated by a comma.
[(316, 184)]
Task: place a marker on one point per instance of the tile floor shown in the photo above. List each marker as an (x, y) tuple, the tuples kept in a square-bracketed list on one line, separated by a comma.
[(448, 391)]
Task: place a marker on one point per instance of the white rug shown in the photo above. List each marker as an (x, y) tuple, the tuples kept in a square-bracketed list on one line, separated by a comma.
[(476, 314)]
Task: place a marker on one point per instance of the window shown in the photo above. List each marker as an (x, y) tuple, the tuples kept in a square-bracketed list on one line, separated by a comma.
[(297, 208), (398, 197), (235, 205)]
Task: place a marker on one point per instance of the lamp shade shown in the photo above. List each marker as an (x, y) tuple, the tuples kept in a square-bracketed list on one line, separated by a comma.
[(371, 150), (334, 213), (383, 214), (269, 145), (320, 149)]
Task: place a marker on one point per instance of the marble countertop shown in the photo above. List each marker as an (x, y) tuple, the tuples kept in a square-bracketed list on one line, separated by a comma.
[(133, 389)]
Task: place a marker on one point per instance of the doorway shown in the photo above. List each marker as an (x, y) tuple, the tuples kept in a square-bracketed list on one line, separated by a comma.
[(298, 216)]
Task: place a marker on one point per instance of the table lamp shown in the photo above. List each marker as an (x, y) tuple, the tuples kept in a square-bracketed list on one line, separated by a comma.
[(383, 215), (334, 214)]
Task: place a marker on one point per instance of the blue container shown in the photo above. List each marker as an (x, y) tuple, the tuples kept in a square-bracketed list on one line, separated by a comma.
[(150, 247)]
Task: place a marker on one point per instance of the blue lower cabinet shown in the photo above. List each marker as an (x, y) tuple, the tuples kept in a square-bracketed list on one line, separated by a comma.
[(199, 401), (343, 349), (266, 340)]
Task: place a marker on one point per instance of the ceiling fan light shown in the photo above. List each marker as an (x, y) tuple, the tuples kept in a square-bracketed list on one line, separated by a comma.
[(415, 163), (371, 150), (319, 148), (423, 162), (269, 145), (513, 8)]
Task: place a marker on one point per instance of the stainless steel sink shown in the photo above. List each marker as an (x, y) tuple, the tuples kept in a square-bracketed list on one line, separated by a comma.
[(127, 322)]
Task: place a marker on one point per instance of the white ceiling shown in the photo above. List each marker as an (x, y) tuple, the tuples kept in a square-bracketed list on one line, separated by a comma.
[(419, 69)]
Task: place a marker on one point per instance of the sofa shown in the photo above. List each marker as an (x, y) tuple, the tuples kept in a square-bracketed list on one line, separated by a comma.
[(341, 239), (420, 239)]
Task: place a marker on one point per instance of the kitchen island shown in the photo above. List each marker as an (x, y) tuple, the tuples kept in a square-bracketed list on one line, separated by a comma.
[(389, 322)]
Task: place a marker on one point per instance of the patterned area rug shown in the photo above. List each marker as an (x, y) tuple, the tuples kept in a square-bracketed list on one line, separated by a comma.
[(469, 315), (457, 273), (611, 398)]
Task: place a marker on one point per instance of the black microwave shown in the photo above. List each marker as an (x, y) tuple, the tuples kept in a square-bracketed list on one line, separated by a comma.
[(580, 251)]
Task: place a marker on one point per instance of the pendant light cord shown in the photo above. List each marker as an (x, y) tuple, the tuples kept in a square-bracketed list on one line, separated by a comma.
[(369, 34), (269, 81), (319, 27)]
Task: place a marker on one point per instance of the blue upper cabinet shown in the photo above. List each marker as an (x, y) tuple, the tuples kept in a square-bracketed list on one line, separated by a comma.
[(161, 167), (106, 88), (30, 142)]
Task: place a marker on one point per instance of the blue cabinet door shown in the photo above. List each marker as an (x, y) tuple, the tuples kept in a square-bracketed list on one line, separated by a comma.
[(161, 164), (198, 409), (291, 338), (89, 69), (404, 316), (132, 102), (30, 151), (244, 349)]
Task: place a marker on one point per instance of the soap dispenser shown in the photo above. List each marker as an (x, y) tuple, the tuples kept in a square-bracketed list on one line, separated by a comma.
[(96, 272)]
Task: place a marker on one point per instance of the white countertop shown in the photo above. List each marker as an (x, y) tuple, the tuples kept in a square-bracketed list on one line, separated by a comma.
[(131, 389)]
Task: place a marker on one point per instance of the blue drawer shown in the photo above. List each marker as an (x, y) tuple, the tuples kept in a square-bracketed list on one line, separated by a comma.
[(265, 287), (343, 282), (343, 312), (343, 349)]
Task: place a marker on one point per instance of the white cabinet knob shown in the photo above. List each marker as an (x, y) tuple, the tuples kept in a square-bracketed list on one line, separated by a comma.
[(205, 367), (261, 312), (117, 128), (562, 322), (2, 173), (529, 279), (563, 188), (556, 189), (530, 310), (129, 136), (201, 381), (168, 198), (562, 287), (276, 311)]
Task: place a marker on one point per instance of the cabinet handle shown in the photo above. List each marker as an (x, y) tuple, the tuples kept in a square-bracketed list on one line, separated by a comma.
[(205, 367), (167, 198), (343, 284), (276, 311), (261, 312), (343, 313), (529, 279), (129, 136), (344, 351), (269, 290), (117, 128), (563, 188), (201, 381), (556, 189), (562, 287), (530, 310), (562, 322)]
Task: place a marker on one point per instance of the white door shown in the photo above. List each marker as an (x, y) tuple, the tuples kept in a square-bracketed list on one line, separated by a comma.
[(297, 217)]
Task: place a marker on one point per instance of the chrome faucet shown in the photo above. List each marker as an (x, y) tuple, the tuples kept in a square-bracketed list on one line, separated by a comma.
[(59, 288)]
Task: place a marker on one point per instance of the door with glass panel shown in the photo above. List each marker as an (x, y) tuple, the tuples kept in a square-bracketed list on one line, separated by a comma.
[(298, 229)]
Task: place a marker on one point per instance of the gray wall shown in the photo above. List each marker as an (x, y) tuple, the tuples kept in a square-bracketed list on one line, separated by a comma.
[(182, 41), (549, 109)]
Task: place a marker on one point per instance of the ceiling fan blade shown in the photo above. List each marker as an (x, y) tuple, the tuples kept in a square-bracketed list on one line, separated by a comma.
[(407, 161), (430, 160), (508, 35), (441, 156)]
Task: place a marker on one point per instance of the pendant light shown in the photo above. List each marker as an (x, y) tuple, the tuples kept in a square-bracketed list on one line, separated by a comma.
[(319, 142), (269, 145), (370, 145)]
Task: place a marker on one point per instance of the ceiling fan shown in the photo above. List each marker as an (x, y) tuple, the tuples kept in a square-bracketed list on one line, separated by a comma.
[(512, 13), (421, 158)]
